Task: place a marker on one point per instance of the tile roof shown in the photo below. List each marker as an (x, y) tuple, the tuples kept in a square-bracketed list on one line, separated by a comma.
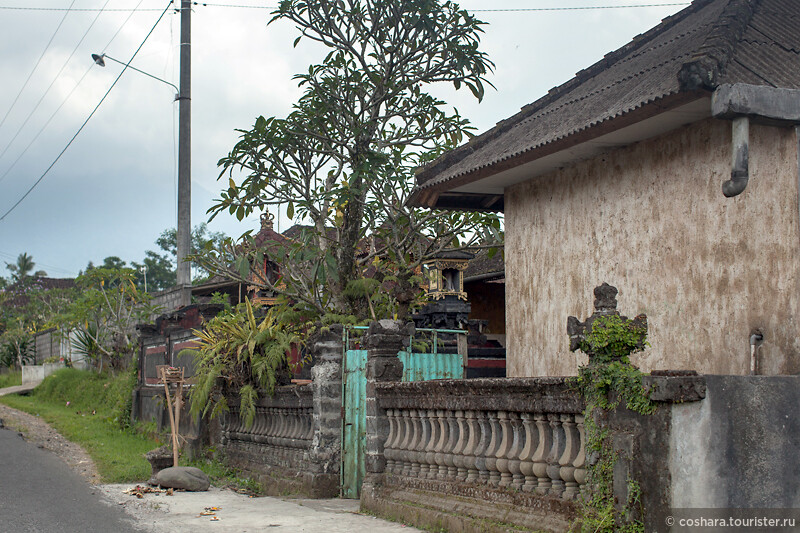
[(690, 53)]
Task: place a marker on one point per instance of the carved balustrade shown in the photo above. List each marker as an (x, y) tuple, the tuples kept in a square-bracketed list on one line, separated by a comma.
[(281, 433), (523, 434)]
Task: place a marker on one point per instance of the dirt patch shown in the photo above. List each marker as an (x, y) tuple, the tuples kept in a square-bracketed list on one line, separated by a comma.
[(38, 432)]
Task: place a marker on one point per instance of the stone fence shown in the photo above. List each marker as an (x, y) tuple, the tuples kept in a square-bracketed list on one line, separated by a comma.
[(507, 450), (294, 443), (278, 443)]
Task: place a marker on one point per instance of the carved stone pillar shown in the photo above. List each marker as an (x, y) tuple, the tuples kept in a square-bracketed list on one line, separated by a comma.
[(326, 444), (383, 341)]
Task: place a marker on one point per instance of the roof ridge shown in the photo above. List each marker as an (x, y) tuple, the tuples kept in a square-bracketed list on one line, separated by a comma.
[(710, 60), (451, 157)]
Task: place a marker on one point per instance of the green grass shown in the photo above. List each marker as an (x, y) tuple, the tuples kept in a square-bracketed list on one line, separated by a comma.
[(222, 475), (117, 452), (10, 379)]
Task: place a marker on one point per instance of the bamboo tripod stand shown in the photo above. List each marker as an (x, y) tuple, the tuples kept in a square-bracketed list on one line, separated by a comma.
[(169, 374)]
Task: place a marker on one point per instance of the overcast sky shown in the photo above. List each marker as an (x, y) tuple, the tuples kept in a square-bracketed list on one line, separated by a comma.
[(114, 190)]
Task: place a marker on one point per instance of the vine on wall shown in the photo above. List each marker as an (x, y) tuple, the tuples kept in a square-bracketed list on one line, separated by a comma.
[(608, 380)]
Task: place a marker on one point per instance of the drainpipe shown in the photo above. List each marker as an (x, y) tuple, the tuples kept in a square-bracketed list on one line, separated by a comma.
[(740, 161), (756, 340), (743, 103)]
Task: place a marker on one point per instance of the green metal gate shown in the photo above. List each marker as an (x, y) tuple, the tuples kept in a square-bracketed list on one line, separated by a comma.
[(417, 366)]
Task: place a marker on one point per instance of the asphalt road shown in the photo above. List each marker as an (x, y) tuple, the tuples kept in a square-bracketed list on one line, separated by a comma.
[(39, 493)]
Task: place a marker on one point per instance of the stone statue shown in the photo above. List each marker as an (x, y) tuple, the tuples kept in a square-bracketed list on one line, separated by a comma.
[(605, 303)]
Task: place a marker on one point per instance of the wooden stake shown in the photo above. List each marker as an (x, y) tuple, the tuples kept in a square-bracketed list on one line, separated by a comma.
[(171, 419)]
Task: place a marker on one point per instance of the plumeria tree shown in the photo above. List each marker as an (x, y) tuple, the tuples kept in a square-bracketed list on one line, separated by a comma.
[(106, 314), (343, 160)]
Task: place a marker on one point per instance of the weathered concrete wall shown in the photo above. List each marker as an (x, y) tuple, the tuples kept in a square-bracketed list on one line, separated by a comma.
[(739, 446), (36, 373), (651, 220)]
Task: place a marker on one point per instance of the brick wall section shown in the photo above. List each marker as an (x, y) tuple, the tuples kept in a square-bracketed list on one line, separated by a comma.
[(168, 299), (47, 345)]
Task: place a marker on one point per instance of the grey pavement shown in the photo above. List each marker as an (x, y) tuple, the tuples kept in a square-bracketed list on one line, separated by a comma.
[(40, 493), (239, 513)]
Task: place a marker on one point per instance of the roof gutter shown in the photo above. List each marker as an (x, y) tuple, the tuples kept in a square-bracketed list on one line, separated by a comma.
[(742, 103)]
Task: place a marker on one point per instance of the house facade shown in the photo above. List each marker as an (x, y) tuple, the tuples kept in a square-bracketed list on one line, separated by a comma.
[(670, 170)]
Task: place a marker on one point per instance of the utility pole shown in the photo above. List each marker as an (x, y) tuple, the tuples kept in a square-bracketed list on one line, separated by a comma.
[(184, 228)]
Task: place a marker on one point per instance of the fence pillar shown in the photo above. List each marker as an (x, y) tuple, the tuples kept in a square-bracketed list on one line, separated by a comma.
[(384, 340), (326, 444)]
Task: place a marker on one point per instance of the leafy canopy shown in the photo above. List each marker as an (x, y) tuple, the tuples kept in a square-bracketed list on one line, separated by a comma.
[(343, 160)]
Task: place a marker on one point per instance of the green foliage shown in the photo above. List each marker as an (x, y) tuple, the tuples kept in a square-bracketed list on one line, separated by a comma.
[(220, 298), (16, 349), (84, 342), (613, 338), (344, 159), (222, 475), (10, 379), (23, 268), (106, 313), (239, 353), (607, 380)]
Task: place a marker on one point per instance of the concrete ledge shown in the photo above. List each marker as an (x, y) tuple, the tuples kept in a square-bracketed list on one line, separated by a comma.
[(488, 511), (547, 394), (673, 386)]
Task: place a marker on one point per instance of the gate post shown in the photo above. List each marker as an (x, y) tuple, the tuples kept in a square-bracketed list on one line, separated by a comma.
[(326, 444), (384, 340)]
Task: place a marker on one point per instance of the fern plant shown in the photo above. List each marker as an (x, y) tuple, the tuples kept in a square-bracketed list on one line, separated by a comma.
[(239, 354)]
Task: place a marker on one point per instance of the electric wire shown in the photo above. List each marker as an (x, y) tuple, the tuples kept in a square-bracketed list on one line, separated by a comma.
[(55, 78), (76, 9), (46, 48), (246, 6), (66, 99), (85, 122)]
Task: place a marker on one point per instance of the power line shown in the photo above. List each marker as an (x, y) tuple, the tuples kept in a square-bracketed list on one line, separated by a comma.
[(575, 8), (46, 48), (76, 9), (64, 101), (87, 118), (55, 78), (246, 6)]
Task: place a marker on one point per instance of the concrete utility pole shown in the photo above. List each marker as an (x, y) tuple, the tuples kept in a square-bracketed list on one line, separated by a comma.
[(184, 228)]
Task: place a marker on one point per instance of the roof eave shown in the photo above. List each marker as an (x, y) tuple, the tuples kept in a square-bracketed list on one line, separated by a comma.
[(441, 195)]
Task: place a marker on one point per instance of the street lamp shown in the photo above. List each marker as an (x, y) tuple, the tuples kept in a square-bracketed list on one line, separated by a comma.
[(184, 98), (99, 59)]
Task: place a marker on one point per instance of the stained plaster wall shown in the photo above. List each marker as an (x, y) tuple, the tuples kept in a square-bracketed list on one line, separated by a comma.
[(651, 219)]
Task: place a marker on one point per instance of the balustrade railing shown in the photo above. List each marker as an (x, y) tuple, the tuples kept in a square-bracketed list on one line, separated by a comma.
[(521, 434), (281, 431)]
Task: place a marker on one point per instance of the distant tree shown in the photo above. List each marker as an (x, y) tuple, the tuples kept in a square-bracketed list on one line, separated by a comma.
[(23, 268), (161, 269), (113, 262), (157, 269)]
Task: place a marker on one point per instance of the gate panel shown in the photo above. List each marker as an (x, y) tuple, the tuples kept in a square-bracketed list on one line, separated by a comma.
[(416, 367), (354, 381)]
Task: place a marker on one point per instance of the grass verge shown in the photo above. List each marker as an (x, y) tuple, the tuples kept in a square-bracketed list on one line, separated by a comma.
[(10, 379), (87, 409), (222, 475)]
